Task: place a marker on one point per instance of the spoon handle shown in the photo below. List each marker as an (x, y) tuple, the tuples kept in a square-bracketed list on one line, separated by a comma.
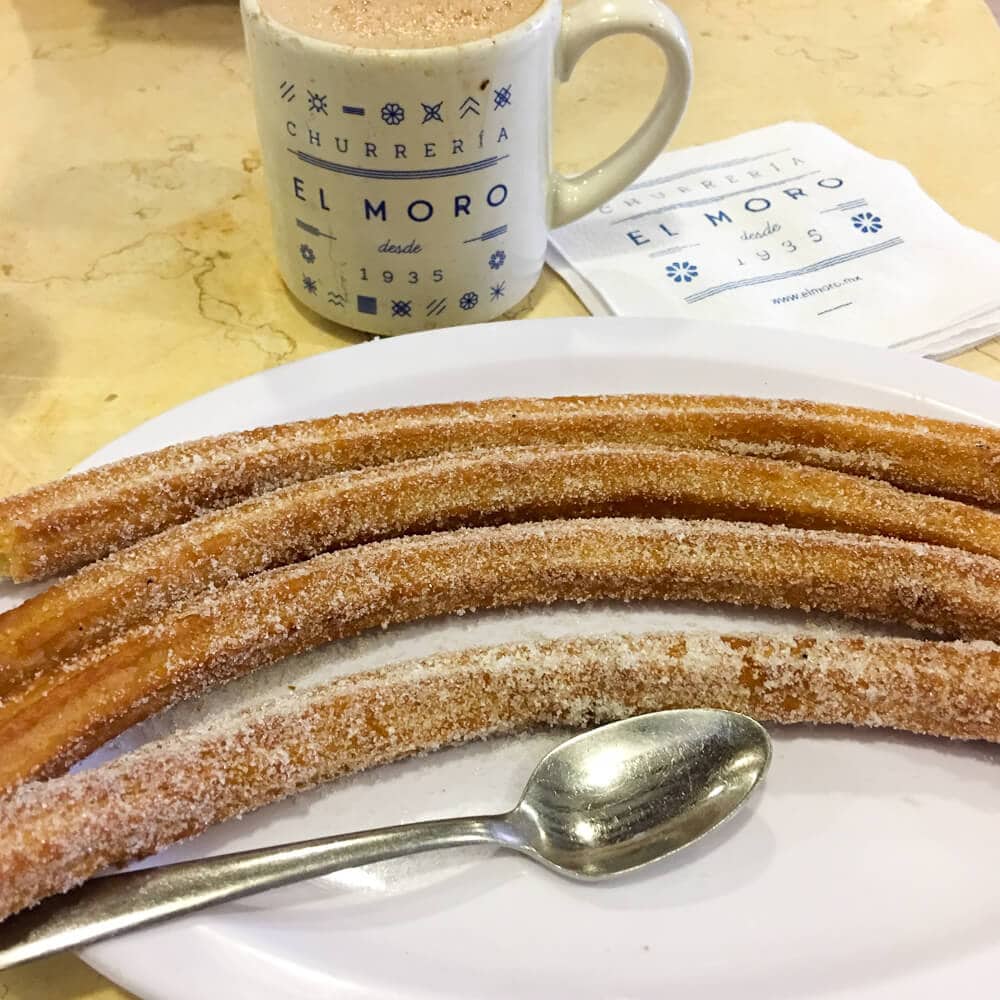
[(113, 905)]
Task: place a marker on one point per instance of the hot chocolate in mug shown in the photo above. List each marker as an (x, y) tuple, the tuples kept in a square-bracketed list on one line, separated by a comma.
[(412, 187)]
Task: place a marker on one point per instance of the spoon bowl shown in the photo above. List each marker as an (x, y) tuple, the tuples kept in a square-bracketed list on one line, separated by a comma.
[(600, 804), (619, 797)]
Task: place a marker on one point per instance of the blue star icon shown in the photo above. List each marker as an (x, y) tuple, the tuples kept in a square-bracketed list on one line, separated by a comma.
[(432, 112), (684, 271), (498, 291), (867, 222)]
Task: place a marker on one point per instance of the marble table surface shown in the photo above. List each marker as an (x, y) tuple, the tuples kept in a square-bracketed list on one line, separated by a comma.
[(135, 268)]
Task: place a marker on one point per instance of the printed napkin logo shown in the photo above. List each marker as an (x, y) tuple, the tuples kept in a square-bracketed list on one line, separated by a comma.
[(786, 226), (735, 206)]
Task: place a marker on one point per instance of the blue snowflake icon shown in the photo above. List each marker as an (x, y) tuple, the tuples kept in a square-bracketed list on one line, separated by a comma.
[(497, 260), (867, 222), (684, 271), (392, 113), (432, 112), (317, 103), (501, 98), (402, 308), (498, 291), (308, 254), (309, 284), (469, 301)]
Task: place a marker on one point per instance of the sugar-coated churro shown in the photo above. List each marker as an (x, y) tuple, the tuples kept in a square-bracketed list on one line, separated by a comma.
[(62, 717), (56, 834), (453, 490), (81, 518)]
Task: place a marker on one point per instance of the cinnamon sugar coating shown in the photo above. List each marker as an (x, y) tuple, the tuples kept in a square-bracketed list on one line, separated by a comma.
[(56, 834), (75, 520), (61, 717), (452, 490)]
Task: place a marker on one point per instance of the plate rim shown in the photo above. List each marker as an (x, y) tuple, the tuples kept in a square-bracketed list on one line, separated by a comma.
[(130, 962), (515, 339)]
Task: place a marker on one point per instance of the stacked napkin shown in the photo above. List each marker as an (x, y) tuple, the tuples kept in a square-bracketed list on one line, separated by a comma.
[(788, 226)]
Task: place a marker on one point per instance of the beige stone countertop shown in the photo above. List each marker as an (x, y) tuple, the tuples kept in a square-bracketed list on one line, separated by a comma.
[(135, 267)]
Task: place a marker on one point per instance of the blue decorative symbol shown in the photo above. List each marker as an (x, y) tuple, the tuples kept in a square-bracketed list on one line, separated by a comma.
[(469, 301), (432, 112), (497, 259), (501, 98), (867, 222), (336, 299), (436, 306), (309, 284), (392, 113), (402, 308), (307, 227), (684, 271), (287, 90), (490, 234), (368, 304), (470, 106), (308, 254), (350, 109), (498, 291), (317, 102)]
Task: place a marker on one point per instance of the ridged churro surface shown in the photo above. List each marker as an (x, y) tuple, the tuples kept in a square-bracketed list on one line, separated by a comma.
[(63, 716), (56, 834), (81, 518), (451, 490)]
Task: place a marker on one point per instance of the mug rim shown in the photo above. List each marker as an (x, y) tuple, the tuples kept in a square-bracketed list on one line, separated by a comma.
[(252, 8)]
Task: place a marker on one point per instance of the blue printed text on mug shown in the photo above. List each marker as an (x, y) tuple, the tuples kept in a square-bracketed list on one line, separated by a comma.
[(415, 209)]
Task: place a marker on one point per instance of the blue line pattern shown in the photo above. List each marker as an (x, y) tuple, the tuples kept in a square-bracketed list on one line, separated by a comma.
[(312, 230), (670, 251), (846, 206), (832, 309), (713, 199), (490, 234), (820, 265), (397, 175)]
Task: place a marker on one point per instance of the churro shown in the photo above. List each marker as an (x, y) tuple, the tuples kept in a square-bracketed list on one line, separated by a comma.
[(62, 717), (75, 520), (56, 834), (447, 491)]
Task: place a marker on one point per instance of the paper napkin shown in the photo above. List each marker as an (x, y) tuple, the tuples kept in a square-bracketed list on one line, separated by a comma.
[(788, 226)]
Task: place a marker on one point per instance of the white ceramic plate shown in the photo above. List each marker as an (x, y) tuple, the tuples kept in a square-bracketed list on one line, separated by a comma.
[(867, 868)]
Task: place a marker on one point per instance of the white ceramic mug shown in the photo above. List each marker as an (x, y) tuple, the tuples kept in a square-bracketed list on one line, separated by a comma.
[(413, 188)]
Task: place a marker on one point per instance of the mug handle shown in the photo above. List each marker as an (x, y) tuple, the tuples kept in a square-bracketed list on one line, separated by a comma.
[(586, 23)]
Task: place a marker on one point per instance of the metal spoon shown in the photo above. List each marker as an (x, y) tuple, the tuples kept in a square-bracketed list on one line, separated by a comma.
[(600, 804)]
